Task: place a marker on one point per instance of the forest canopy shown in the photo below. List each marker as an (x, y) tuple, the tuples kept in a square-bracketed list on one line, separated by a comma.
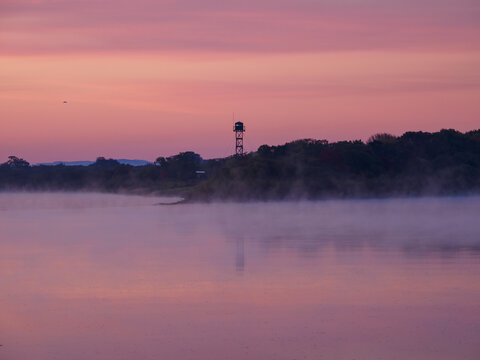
[(416, 163)]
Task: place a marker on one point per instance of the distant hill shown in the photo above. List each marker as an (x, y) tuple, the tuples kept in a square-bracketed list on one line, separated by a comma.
[(66, 163), (87, 162)]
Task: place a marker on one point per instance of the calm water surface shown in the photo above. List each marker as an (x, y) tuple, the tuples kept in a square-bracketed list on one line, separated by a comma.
[(87, 276)]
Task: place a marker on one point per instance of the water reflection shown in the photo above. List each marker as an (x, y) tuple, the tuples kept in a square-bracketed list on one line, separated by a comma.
[(120, 279), (240, 255), (417, 227)]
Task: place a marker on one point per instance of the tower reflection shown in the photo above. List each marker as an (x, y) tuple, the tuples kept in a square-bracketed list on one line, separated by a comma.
[(240, 254)]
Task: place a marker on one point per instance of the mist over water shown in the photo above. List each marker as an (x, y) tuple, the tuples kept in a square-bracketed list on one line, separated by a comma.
[(94, 276), (75, 200)]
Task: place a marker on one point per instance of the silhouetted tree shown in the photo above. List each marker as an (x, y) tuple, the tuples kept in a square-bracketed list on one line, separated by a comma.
[(101, 162), (182, 165), (15, 162), (161, 161), (383, 138)]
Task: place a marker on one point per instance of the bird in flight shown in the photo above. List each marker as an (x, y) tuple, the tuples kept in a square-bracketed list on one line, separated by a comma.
[(64, 101)]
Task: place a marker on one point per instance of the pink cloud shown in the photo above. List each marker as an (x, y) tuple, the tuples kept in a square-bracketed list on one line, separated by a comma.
[(53, 26)]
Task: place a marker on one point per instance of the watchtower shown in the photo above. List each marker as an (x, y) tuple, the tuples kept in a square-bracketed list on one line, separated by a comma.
[(239, 129)]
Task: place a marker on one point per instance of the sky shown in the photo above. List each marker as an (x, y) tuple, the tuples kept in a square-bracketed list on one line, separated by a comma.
[(149, 78)]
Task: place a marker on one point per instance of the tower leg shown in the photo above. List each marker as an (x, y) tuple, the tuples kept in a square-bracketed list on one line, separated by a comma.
[(239, 142)]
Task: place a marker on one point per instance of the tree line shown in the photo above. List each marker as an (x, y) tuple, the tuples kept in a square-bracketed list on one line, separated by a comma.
[(417, 163)]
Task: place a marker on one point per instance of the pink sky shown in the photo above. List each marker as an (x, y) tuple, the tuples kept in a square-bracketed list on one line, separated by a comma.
[(147, 78)]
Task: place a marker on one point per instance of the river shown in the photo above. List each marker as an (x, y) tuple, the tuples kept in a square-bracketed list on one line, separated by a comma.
[(91, 276)]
